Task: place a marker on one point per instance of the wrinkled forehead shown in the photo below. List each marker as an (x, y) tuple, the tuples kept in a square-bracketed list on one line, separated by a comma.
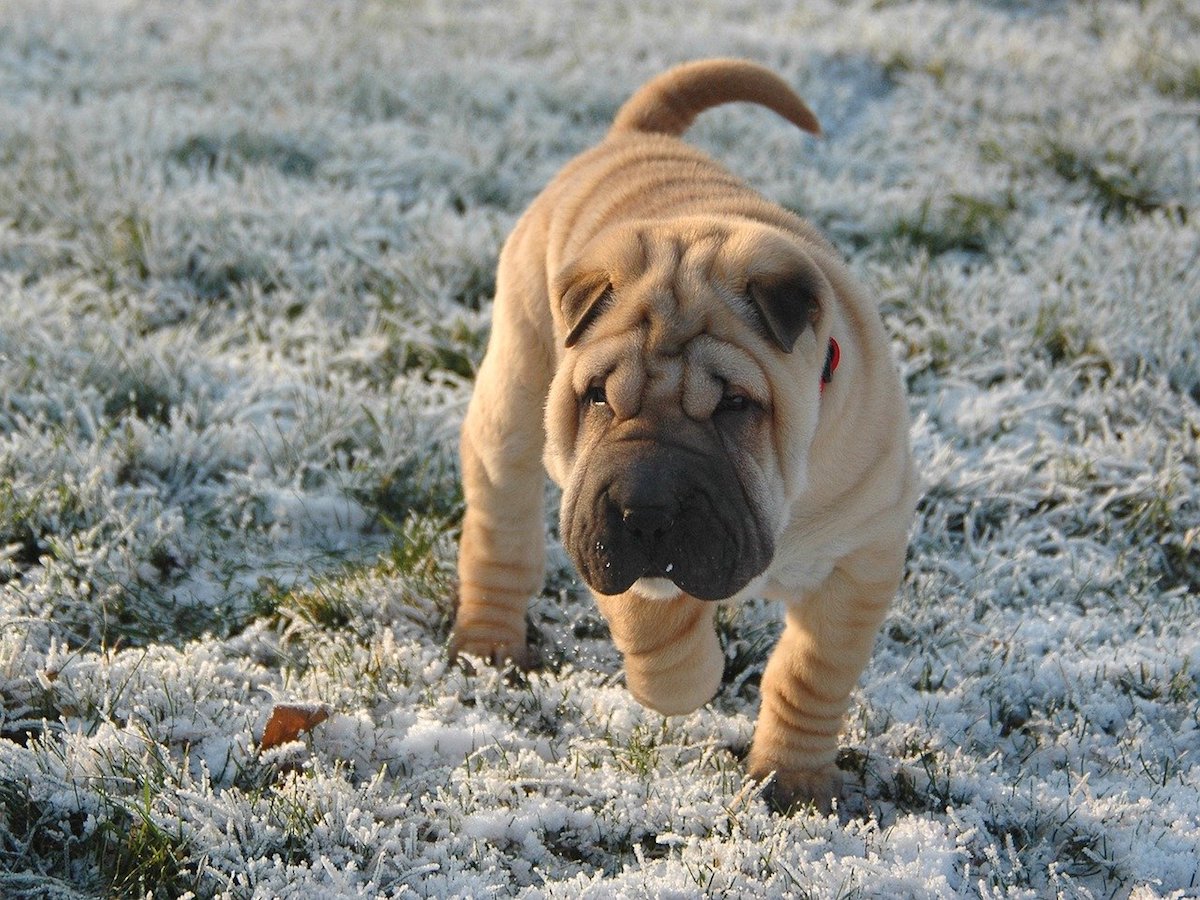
[(677, 283), (678, 299)]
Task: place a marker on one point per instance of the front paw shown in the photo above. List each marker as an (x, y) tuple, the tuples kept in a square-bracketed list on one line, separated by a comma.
[(790, 791), (673, 660), (679, 677), (676, 691)]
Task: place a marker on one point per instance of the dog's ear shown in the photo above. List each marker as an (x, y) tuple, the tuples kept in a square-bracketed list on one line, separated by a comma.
[(583, 296), (787, 302)]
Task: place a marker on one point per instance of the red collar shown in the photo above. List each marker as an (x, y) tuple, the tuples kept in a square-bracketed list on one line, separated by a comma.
[(832, 358)]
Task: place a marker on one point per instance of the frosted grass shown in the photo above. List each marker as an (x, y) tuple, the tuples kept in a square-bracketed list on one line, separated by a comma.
[(246, 258)]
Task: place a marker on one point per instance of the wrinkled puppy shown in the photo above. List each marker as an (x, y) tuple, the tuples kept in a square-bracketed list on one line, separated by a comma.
[(716, 398)]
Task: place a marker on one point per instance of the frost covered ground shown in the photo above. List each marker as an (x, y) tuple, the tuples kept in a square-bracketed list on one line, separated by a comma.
[(246, 253)]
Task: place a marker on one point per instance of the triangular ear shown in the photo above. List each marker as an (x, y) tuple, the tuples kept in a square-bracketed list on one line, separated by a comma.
[(583, 297), (787, 302)]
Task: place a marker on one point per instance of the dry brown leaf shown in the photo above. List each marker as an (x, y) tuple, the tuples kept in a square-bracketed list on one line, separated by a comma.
[(288, 720)]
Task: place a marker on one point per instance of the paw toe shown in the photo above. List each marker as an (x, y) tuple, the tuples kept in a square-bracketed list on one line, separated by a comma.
[(489, 650)]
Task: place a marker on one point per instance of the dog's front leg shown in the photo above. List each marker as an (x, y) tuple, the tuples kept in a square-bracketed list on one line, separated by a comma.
[(501, 558), (673, 660), (806, 687)]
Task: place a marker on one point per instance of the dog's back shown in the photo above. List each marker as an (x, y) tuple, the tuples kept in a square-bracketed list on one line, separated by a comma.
[(643, 170)]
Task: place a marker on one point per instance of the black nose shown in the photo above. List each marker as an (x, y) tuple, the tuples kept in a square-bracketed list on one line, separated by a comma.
[(647, 523)]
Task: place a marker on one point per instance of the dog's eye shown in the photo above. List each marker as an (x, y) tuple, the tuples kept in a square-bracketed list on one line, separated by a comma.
[(595, 396), (733, 403)]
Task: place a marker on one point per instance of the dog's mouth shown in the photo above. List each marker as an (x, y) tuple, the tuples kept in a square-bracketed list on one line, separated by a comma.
[(617, 565), (706, 577)]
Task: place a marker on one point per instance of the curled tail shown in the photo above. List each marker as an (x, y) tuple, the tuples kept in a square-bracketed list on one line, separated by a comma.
[(668, 103)]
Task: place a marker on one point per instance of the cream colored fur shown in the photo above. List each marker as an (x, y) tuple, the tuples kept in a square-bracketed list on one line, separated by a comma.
[(829, 473)]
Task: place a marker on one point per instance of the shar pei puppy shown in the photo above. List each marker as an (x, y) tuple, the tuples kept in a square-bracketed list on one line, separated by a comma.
[(714, 394)]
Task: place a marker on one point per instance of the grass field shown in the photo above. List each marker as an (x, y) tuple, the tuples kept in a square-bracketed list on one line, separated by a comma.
[(246, 262)]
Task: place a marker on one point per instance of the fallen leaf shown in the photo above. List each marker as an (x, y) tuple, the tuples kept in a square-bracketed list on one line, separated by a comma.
[(288, 720)]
